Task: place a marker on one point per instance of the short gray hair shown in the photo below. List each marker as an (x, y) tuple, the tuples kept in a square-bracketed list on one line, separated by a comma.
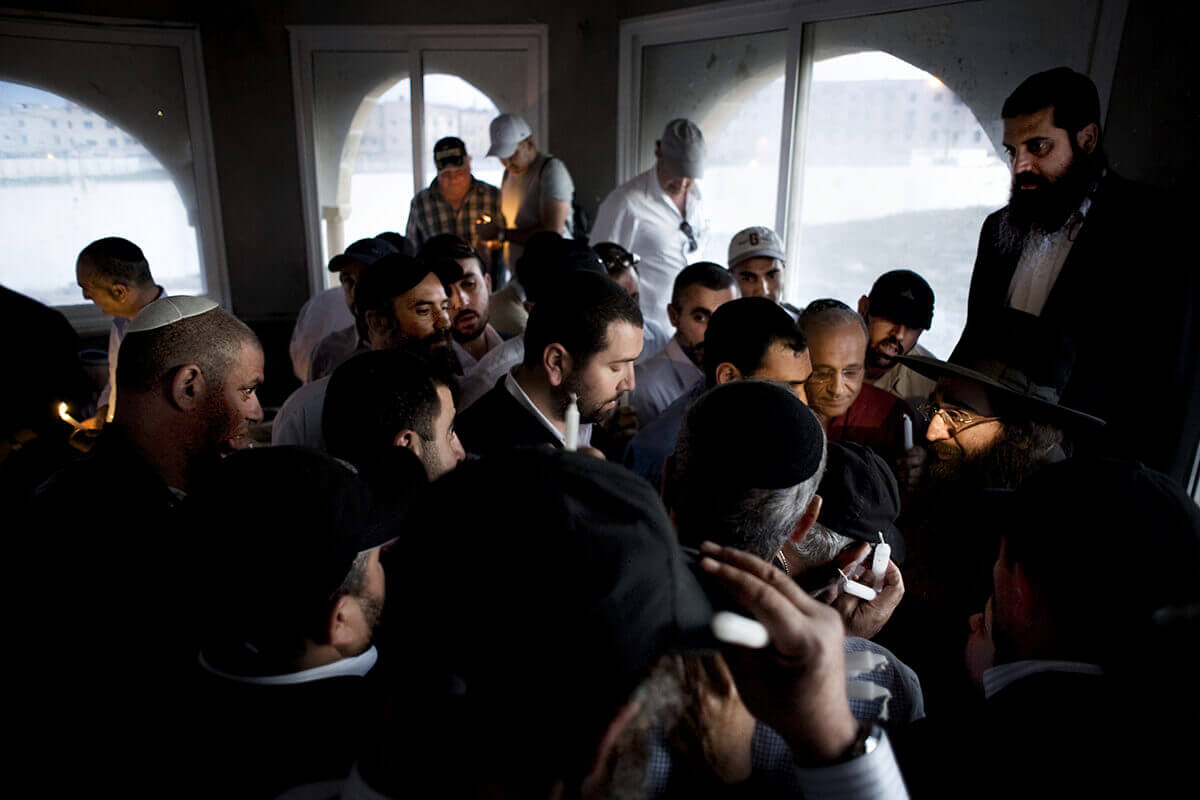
[(763, 519), (821, 545)]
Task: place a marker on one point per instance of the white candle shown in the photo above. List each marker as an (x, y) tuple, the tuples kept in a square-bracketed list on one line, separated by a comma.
[(856, 589), (571, 435), (908, 433), (733, 628), (879, 564)]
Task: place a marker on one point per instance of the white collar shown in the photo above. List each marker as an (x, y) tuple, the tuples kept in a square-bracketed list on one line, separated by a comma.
[(514, 388), (1000, 676), (356, 666)]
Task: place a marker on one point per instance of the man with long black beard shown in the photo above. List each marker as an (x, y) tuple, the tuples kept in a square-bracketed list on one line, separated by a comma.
[(1077, 241)]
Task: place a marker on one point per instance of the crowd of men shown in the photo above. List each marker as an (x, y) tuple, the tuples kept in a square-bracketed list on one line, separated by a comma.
[(549, 518)]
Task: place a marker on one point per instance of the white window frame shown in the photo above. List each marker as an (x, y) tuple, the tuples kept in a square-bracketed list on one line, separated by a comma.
[(720, 20), (210, 236), (414, 39)]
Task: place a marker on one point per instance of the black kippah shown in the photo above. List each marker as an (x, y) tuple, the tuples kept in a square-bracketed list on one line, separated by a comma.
[(752, 434)]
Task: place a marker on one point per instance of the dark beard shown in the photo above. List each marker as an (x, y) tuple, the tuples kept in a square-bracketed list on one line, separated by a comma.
[(1047, 208), (881, 360), (434, 348), (593, 414), (1014, 457)]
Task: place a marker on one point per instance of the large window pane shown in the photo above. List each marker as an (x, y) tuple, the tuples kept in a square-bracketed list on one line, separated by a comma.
[(381, 179), (732, 87), (454, 107), (897, 173), (68, 177)]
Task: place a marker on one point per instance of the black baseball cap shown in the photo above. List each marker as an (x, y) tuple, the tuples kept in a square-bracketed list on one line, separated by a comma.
[(364, 251), (582, 589), (860, 496), (903, 296), (449, 152)]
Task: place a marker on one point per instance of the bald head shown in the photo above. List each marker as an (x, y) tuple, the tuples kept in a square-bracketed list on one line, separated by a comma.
[(837, 343)]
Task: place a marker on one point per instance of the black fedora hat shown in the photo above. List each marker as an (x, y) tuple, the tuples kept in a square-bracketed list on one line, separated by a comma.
[(1024, 360)]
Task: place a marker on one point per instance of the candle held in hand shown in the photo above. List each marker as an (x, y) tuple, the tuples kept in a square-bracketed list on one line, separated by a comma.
[(65, 417), (571, 434)]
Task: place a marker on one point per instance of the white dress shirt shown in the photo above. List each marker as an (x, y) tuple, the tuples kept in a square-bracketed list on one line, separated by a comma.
[(639, 216)]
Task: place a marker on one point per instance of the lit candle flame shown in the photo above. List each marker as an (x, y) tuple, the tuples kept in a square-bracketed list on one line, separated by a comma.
[(485, 218), (65, 417)]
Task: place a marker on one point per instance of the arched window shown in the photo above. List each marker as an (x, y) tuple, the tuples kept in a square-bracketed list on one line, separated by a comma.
[(871, 203), (68, 176)]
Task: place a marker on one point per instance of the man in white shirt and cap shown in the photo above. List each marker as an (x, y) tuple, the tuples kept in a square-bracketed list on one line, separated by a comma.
[(659, 215)]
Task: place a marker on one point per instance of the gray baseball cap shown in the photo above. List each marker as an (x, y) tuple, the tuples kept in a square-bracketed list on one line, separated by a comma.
[(682, 149), (755, 242), (507, 131)]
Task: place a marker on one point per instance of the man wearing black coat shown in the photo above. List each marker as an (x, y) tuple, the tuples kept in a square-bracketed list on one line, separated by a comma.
[(1093, 252)]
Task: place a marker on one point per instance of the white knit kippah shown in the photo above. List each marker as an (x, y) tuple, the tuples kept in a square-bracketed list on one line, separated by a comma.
[(169, 310)]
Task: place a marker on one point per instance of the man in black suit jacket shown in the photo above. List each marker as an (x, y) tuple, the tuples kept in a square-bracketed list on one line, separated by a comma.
[(581, 340), (1065, 642), (1094, 253)]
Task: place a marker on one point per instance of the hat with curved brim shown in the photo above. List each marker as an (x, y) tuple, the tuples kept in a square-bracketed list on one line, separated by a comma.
[(1040, 400)]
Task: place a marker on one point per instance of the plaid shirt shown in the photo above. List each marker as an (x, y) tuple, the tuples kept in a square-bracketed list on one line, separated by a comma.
[(430, 214)]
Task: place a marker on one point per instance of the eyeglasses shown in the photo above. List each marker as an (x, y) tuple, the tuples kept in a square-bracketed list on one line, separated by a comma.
[(686, 227), (955, 419)]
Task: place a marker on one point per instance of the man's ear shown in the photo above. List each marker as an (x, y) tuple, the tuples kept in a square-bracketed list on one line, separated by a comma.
[(347, 625), (409, 440), (596, 778), (806, 521), (557, 363), (487, 281), (188, 387), (119, 292), (376, 322), (1088, 137), (864, 306), (527, 305), (727, 372), (673, 315)]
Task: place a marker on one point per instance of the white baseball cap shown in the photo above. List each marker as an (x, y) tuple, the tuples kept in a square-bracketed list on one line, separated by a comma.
[(507, 131), (756, 242)]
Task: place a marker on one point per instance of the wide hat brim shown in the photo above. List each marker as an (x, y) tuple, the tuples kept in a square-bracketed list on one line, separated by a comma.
[(1018, 390)]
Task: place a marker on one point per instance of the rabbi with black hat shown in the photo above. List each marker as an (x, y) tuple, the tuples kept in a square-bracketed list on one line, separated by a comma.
[(995, 415), (898, 310)]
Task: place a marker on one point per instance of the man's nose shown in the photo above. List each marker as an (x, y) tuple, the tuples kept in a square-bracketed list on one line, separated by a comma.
[(838, 385), (456, 449), (937, 430), (629, 381), (458, 298), (442, 320), (1023, 162), (255, 413)]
